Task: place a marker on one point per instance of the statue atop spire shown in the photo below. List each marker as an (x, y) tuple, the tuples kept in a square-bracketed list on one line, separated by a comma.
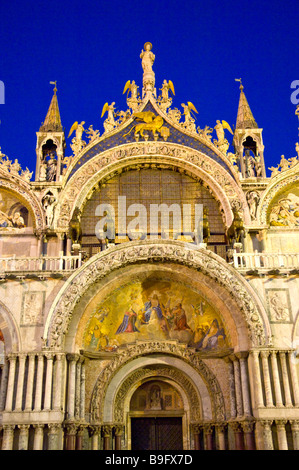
[(147, 61)]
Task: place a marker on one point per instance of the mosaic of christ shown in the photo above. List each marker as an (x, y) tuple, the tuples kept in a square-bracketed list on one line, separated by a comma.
[(154, 310)]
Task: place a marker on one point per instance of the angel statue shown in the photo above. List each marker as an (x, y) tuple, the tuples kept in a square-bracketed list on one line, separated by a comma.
[(220, 126), (77, 142), (165, 101), (109, 123), (132, 87), (166, 86), (189, 123), (134, 100)]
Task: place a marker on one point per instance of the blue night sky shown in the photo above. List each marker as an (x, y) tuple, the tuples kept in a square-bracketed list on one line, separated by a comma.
[(92, 48)]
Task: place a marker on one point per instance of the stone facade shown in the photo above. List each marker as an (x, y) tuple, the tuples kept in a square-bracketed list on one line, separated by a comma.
[(103, 324)]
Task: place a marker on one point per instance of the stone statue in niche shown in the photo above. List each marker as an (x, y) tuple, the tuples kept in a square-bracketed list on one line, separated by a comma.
[(49, 202), (51, 167), (253, 200), (155, 399)]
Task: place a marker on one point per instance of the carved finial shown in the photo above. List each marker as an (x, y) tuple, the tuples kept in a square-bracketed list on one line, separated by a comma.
[(239, 80), (55, 86)]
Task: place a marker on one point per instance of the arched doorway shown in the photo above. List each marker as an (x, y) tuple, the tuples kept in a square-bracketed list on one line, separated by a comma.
[(156, 417)]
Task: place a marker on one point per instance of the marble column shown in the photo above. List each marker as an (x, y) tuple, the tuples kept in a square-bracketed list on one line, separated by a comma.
[(232, 391), (118, 433), (238, 389), (281, 434), (220, 430), (257, 383), (11, 382), (78, 389), (107, 433), (267, 434), (238, 433), (285, 379), (72, 359), (295, 433), (58, 382), (95, 432), (4, 382), (242, 356), (29, 391), (38, 436), (23, 436), (20, 381), (276, 380), (248, 430), (196, 429), (79, 436), (53, 436), (82, 391), (71, 431), (8, 437), (208, 433), (39, 383), (294, 377), (267, 381), (48, 386)]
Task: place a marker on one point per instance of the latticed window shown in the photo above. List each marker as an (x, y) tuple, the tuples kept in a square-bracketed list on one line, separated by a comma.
[(180, 195)]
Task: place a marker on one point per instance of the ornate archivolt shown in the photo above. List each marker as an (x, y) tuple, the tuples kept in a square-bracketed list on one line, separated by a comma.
[(278, 183), (162, 154), (25, 194), (107, 261), (10, 330), (183, 358)]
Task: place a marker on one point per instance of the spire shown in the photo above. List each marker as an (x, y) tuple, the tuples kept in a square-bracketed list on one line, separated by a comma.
[(245, 119), (52, 121)]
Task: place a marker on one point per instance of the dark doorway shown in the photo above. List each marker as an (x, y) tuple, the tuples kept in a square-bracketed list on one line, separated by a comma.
[(156, 434)]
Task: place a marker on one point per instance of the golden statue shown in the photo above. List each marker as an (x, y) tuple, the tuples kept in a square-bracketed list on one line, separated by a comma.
[(148, 121)]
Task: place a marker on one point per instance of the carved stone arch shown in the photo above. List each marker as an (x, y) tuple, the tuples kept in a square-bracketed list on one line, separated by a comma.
[(80, 186), (9, 329), (248, 303), (23, 192), (278, 182), (184, 360), (142, 375)]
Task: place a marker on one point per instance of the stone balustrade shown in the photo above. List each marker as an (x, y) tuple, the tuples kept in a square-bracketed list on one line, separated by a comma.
[(40, 264), (266, 262)]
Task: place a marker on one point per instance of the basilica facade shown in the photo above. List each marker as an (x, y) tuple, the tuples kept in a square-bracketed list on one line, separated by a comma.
[(149, 283)]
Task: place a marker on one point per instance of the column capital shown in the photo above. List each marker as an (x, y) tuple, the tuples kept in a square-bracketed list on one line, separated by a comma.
[(221, 426), (266, 423), (236, 426), (54, 428), (294, 424), (107, 430), (242, 354), (118, 429), (72, 357), (94, 430), (247, 426), (281, 422), (208, 428)]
